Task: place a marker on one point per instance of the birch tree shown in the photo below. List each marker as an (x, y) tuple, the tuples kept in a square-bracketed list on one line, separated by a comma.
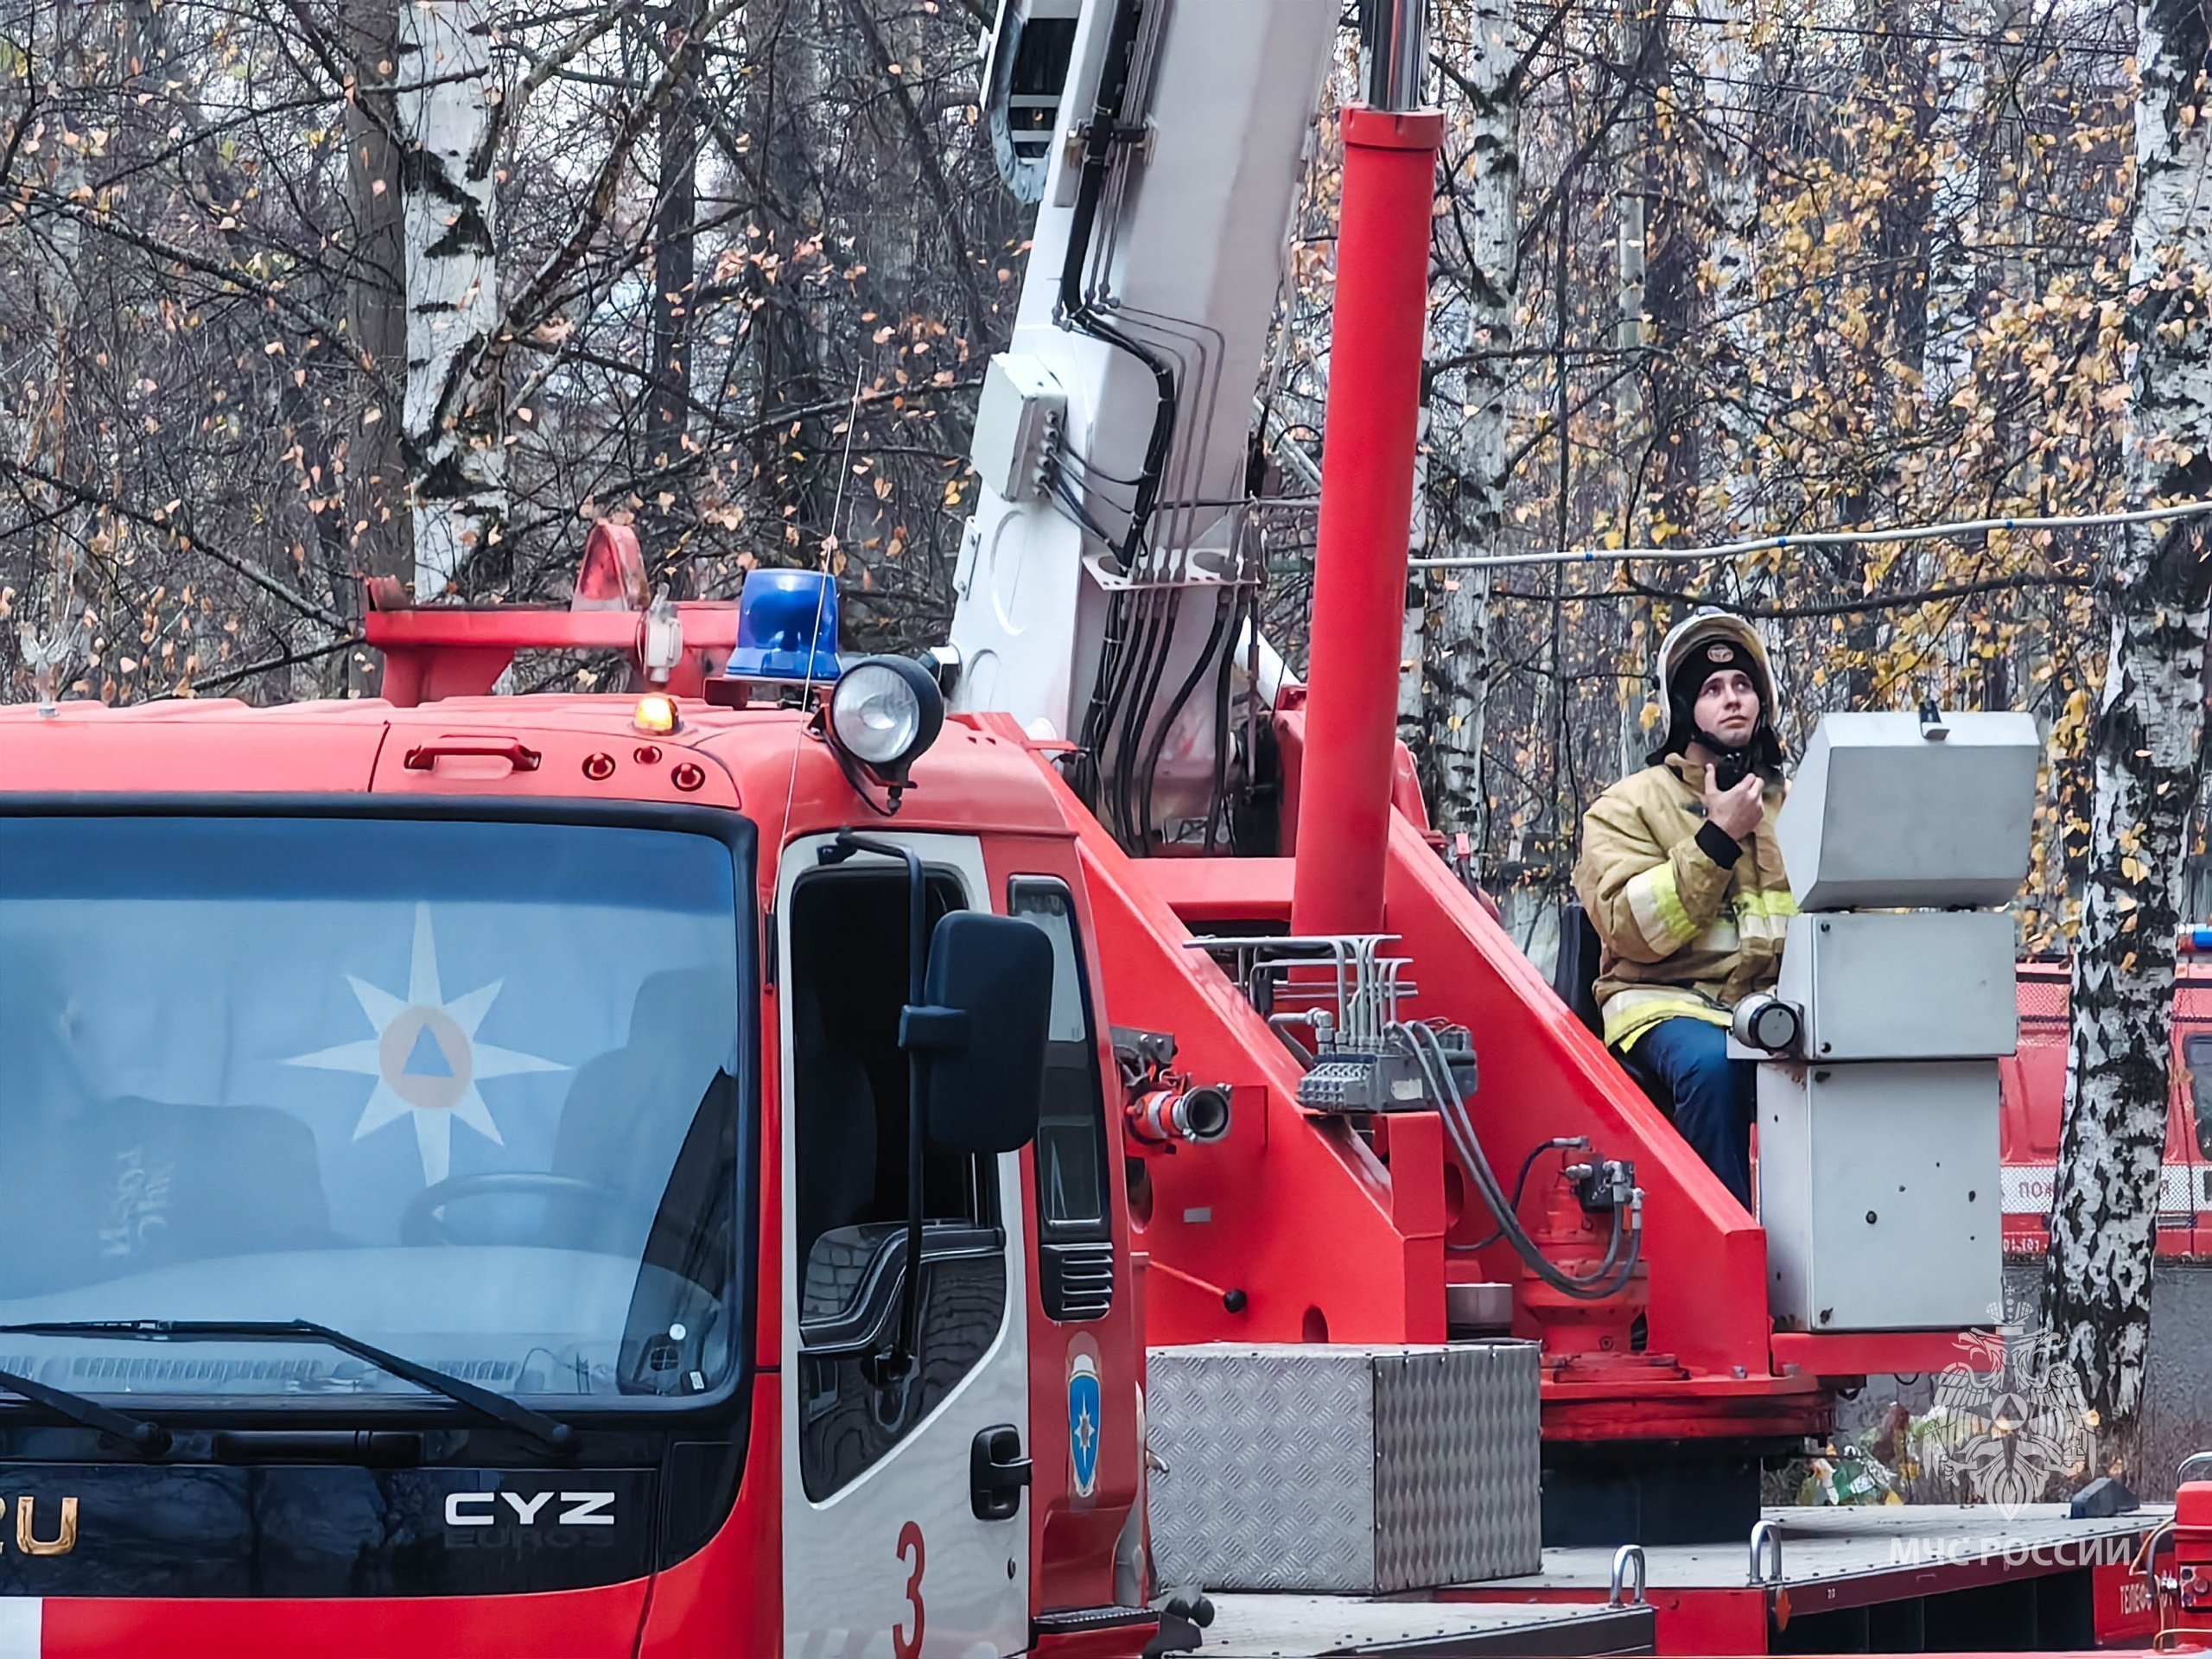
[(1631, 210), (60, 53), (379, 529), (1490, 80), (1726, 63), (2145, 743), (448, 106), (1954, 203)]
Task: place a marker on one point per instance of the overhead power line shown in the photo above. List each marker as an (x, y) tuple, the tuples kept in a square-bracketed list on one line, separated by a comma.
[(1818, 538)]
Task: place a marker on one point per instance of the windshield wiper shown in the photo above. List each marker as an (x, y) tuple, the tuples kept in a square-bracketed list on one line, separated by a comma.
[(547, 1431), (138, 1432)]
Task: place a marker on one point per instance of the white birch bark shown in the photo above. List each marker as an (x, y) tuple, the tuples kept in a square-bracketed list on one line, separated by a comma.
[(2097, 1284), (1628, 325), (448, 107), (1463, 647), (376, 315), (1630, 247), (1412, 664), (1947, 359), (56, 248), (1727, 72)]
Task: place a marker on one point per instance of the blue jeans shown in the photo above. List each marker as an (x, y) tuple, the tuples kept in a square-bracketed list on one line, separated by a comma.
[(1715, 1098)]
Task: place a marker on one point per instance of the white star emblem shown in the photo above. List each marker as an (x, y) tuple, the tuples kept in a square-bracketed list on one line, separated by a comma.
[(425, 1056), (1085, 1431)]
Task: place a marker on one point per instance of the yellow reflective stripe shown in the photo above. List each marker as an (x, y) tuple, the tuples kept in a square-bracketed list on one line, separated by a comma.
[(1765, 917), (1669, 897), (1657, 903), (1631, 1013)]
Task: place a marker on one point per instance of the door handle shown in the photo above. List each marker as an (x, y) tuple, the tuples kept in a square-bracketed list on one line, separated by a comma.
[(518, 755), (996, 1473)]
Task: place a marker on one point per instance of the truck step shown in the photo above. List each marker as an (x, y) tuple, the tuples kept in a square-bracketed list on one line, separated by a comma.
[(1249, 1626)]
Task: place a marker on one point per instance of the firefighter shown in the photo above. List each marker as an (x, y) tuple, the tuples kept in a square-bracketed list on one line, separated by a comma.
[(1682, 879)]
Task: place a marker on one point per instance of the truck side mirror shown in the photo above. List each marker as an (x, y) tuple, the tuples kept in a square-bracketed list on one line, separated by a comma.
[(983, 1023)]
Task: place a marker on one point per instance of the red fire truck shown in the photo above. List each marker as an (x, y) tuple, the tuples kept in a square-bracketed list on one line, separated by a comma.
[(710, 1168), (467, 1164), (2035, 1098)]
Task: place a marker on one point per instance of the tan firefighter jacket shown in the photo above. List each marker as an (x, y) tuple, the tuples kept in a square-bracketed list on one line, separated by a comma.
[(1684, 933)]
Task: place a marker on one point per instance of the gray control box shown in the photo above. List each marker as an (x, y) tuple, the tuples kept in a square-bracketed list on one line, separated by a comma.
[(1336, 1467), (1878, 1191), (1916, 985), (1883, 814), (1018, 415)]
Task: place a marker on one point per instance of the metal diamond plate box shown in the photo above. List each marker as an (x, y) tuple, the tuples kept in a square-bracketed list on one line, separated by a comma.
[(1327, 1467)]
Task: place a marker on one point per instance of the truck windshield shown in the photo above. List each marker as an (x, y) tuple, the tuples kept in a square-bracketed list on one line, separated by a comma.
[(463, 1090)]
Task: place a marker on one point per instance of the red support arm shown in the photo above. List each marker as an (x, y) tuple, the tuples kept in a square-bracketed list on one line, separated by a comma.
[(1367, 483)]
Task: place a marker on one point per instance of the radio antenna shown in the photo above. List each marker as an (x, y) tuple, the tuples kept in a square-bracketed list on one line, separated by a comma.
[(830, 544)]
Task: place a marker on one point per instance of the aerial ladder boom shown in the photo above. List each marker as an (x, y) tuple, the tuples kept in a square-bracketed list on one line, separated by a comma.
[(1106, 578), (1105, 601), (1104, 593)]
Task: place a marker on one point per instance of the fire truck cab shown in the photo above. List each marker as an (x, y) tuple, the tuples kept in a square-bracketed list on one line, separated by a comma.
[(497, 1236)]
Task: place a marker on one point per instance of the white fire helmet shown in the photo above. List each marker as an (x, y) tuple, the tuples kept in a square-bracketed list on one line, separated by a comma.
[(1730, 641)]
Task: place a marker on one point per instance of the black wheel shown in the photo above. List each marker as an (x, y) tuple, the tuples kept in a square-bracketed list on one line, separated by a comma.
[(423, 1222)]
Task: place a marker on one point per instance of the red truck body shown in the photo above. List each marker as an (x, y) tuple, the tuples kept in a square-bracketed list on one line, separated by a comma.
[(2034, 1096)]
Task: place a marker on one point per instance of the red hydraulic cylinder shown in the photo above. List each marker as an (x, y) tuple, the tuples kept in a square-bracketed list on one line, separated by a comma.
[(1367, 497)]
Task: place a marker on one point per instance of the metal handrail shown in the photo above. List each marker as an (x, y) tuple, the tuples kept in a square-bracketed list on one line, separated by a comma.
[(1361, 987), (1766, 1540), (1628, 1563)]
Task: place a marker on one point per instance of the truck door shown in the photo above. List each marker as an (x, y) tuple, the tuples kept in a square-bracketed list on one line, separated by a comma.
[(897, 1540)]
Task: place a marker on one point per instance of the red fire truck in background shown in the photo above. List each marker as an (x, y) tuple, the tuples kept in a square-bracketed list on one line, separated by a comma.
[(2035, 1096)]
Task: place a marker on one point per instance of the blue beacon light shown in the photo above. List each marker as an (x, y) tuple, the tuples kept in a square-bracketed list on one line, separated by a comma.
[(787, 628)]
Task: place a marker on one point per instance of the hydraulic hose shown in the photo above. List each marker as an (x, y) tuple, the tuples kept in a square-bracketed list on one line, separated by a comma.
[(1158, 647), (1100, 136), (1149, 774), (1217, 803), (1557, 1143), (1612, 1274), (1089, 771)]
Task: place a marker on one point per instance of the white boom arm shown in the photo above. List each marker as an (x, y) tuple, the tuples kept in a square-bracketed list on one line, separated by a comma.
[(1064, 617)]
